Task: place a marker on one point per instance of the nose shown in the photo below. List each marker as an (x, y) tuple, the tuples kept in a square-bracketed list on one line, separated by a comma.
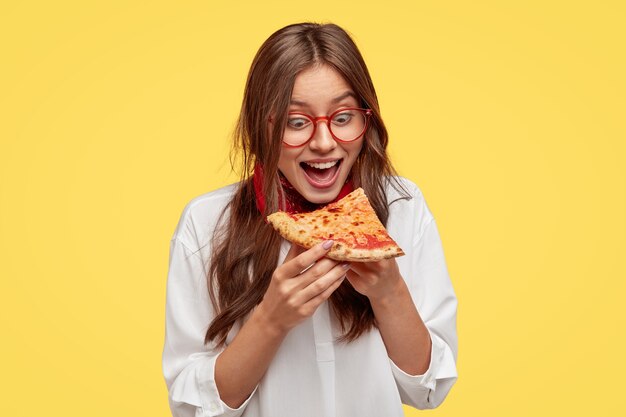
[(322, 141)]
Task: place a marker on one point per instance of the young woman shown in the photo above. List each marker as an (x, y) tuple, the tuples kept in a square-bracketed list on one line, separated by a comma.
[(252, 329)]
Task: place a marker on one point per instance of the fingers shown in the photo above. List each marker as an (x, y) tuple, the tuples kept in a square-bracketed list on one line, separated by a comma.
[(317, 300), (296, 263), (302, 283), (325, 285)]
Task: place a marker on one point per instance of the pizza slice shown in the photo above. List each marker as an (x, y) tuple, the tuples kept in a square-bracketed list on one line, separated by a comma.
[(351, 222)]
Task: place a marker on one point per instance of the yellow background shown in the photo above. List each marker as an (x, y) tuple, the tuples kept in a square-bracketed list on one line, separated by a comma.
[(508, 115)]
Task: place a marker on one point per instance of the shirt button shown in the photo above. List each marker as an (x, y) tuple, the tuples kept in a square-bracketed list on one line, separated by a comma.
[(212, 407)]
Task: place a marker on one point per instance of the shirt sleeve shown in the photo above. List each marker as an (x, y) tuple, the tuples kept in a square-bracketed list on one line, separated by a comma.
[(188, 365), (434, 297)]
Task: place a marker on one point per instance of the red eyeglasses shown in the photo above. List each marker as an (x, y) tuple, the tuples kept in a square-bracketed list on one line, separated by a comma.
[(345, 125)]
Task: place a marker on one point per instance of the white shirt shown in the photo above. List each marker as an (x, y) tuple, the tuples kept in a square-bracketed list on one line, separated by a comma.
[(310, 375)]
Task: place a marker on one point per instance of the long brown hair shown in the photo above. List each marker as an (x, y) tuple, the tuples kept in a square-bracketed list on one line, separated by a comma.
[(245, 248)]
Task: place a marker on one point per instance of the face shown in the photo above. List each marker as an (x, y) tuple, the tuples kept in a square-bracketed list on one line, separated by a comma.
[(318, 169)]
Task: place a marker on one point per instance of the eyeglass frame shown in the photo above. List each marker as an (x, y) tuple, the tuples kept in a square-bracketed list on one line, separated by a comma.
[(367, 113)]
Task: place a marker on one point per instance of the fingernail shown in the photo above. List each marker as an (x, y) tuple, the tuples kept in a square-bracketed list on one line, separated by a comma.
[(326, 245), (345, 265)]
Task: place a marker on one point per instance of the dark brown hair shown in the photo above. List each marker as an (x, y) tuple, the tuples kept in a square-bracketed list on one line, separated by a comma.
[(245, 248)]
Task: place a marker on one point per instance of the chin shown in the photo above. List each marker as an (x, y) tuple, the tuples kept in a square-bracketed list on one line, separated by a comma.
[(321, 196)]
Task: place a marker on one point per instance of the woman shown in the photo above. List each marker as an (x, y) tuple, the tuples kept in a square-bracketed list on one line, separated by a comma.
[(274, 337)]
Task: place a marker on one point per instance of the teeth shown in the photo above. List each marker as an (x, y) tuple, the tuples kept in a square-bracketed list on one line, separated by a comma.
[(322, 165)]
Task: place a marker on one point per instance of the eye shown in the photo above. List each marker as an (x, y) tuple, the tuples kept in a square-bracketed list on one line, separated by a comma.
[(297, 122), (342, 118)]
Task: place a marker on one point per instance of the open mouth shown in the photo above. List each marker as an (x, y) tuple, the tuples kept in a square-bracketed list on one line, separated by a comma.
[(321, 174)]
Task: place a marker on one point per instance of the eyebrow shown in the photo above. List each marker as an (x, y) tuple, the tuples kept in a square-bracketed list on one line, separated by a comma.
[(334, 101)]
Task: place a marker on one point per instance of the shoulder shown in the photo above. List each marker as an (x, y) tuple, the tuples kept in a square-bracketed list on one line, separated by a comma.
[(406, 194), (201, 214), (401, 188), (408, 211)]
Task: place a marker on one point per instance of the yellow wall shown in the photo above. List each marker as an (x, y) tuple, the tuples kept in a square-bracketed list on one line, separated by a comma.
[(508, 115)]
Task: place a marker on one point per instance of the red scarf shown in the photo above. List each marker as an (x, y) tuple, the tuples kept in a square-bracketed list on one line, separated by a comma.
[(294, 201)]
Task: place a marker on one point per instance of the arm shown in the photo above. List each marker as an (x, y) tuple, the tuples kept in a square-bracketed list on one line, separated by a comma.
[(239, 368), (222, 381), (404, 333), (416, 315), (291, 297), (188, 365)]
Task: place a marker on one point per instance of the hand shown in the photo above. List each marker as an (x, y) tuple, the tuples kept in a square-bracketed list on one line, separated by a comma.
[(300, 285), (376, 280)]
